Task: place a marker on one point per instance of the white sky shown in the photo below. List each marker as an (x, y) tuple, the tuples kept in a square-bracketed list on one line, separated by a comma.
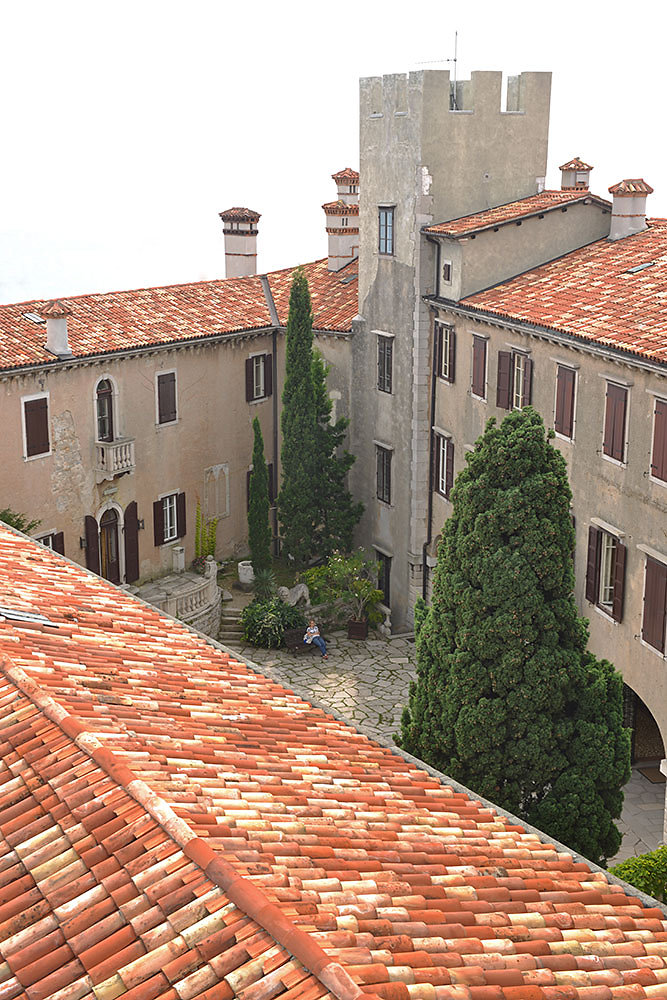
[(127, 126)]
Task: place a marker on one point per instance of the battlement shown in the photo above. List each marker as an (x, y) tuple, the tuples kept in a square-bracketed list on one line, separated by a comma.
[(406, 95)]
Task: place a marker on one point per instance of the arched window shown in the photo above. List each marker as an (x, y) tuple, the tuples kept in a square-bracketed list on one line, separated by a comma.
[(104, 410)]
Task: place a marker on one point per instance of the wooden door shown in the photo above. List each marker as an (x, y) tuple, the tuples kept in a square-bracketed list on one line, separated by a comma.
[(110, 564)]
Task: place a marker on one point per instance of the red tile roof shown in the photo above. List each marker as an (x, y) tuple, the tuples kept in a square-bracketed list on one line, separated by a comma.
[(145, 317), (173, 822), (346, 176), (239, 215), (610, 292), (575, 164), (341, 208), (546, 201), (631, 188)]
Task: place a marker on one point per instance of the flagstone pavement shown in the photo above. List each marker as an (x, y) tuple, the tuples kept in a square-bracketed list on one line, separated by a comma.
[(366, 683)]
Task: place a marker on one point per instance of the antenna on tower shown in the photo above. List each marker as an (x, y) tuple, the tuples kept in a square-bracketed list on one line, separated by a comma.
[(428, 62)]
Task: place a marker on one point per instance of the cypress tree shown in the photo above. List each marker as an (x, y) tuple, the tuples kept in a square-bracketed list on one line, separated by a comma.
[(337, 513), (507, 699), (259, 530), (296, 502)]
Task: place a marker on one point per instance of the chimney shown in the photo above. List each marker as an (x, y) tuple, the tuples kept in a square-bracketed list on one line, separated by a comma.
[(55, 313), (575, 174), (342, 218), (628, 213), (240, 229)]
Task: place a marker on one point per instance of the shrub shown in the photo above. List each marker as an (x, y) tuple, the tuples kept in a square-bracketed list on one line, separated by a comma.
[(347, 582), (647, 872), (264, 622), (265, 584)]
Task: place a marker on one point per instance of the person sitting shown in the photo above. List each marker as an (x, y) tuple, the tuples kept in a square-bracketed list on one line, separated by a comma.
[(313, 635)]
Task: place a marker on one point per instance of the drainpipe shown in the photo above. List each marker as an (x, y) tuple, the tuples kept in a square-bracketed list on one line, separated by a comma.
[(429, 515)]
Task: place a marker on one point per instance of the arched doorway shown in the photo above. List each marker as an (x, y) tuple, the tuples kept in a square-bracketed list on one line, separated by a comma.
[(109, 557), (647, 743)]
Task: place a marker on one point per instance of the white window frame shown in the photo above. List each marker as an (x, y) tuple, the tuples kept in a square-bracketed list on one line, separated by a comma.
[(166, 517), (442, 465), (444, 330), (28, 399), (573, 368), (45, 538), (258, 376), (607, 567), (165, 423), (518, 368)]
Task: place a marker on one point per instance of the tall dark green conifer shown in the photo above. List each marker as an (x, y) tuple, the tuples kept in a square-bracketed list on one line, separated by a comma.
[(337, 513), (508, 700), (259, 530), (296, 503)]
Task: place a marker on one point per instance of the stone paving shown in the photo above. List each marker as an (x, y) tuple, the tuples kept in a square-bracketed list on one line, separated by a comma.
[(367, 682)]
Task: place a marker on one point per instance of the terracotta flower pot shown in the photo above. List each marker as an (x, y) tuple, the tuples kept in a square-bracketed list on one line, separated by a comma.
[(357, 629)]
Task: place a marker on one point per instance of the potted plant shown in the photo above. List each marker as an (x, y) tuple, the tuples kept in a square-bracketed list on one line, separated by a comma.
[(350, 584)]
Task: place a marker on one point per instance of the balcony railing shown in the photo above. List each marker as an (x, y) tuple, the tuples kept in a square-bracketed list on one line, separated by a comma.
[(114, 458)]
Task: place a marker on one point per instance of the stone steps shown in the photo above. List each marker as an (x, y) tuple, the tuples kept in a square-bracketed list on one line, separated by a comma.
[(230, 626)]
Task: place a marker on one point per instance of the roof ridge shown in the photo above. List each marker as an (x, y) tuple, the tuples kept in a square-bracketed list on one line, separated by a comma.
[(247, 896)]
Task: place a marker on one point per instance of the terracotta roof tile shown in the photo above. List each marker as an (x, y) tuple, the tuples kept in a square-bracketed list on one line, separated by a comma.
[(147, 317), (631, 188), (346, 176), (306, 859), (611, 292), (575, 164), (546, 201)]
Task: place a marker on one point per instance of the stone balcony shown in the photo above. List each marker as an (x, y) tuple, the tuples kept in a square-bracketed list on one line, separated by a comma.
[(191, 597), (113, 458)]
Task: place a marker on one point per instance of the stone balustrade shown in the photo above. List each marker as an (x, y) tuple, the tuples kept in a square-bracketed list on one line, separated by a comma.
[(114, 458)]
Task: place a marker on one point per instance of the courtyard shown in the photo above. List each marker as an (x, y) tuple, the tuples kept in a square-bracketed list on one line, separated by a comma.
[(366, 683)]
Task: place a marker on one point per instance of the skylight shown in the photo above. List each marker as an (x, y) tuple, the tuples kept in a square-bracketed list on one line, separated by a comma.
[(25, 616), (641, 267), (34, 317)]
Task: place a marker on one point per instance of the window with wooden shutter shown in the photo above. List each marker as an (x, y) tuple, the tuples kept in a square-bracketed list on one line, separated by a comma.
[(158, 524), (383, 469), (258, 377), (605, 572), (614, 422), (249, 380), (659, 452), (479, 367), (655, 604), (131, 540), (92, 538), (36, 422), (104, 406), (180, 515), (446, 351), (268, 375), (166, 397), (565, 388), (527, 383), (385, 363), (504, 386), (449, 474)]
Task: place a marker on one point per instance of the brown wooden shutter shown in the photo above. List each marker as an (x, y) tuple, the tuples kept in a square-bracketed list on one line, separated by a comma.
[(388, 475), (268, 374), (58, 542), (564, 419), (527, 382), (36, 426), (478, 366), (131, 533), (655, 604), (614, 421), (249, 380), (180, 515), (504, 386), (593, 564), (619, 582), (452, 356), (659, 457), (166, 396), (91, 532), (449, 470), (158, 523)]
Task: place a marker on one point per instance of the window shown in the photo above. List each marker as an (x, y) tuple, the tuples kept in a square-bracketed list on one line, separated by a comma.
[(344, 221), (565, 388), (258, 377), (446, 351), (515, 380), (605, 571), (386, 234), (659, 454), (36, 426), (383, 459), (385, 362), (166, 398), (104, 406), (447, 271), (655, 604), (54, 540), (613, 445), (384, 573), (169, 518), (443, 464), (479, 367)]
